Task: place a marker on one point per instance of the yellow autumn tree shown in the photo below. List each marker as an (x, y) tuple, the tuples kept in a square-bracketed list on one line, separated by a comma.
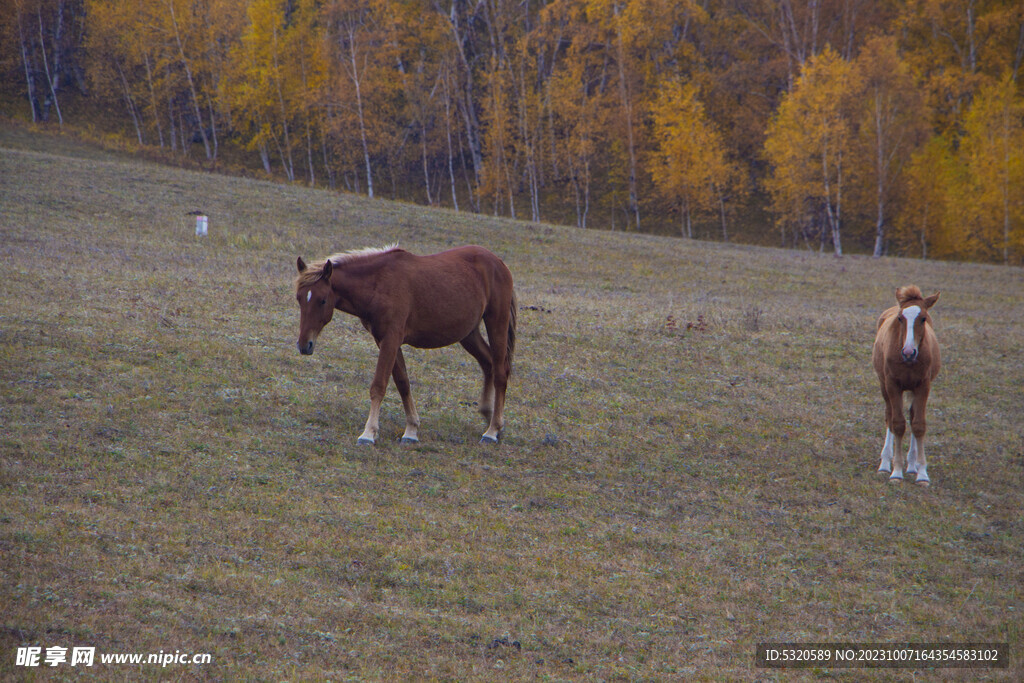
[(992, 150), (496, 179), (808, 146), (689, 167), (575, 108), (893, 122), (277, 69), (933, 188)]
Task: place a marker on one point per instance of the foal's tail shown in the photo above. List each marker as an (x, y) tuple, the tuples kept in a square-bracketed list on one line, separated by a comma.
[(512, 313)]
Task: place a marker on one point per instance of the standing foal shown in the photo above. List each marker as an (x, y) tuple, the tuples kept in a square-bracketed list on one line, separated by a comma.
[(906, 358)]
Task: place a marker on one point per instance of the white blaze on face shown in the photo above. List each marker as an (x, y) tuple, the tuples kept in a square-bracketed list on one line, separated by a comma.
[(910, 313), (309, 295)]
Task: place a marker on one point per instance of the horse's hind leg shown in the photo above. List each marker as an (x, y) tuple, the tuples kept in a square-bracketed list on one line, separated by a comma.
[(412, 419), (479, 349), (497, 325)]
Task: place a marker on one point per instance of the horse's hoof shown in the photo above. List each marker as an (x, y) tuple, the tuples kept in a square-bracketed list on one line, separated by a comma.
[(895, 480), (363, 441), (410, 440), (882, 471), (488, 439), (923, 483)]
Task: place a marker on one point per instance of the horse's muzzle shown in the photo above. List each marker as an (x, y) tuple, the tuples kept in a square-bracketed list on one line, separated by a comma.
[(908, 357), (307, 349)]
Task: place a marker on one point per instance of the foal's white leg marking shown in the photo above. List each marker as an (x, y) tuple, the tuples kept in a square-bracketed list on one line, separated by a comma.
[(897, 469), (912, 455), (922, 465), (910, 313), (886, 464)]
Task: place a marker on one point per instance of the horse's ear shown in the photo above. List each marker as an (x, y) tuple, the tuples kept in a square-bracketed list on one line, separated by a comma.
[(328, 269), (930, 301), (301, 265)]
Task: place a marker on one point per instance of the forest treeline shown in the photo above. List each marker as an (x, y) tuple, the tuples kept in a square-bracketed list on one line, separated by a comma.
[(892, 126)]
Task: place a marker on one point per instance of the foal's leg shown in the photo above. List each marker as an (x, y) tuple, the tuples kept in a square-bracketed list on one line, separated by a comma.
[(898, 427), (916, 460), (478, 348), (912, 451), (885, 466), (389, 349), (412, 419), (497, 336)]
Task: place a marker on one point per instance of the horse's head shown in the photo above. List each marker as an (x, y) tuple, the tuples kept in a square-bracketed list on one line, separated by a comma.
[(911, 319), (316, 301)]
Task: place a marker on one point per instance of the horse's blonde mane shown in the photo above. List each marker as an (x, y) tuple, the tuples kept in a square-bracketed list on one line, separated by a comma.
[(909, 293), (312, 272)]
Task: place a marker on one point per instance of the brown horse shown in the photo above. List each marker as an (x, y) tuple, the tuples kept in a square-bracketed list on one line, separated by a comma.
[(424, 301), (906, 358)]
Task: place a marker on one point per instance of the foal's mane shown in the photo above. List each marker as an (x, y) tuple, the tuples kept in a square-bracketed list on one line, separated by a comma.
[(905, 295), (312, 272)]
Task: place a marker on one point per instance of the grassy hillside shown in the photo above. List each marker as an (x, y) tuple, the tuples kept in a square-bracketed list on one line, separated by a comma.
[(688, 467)]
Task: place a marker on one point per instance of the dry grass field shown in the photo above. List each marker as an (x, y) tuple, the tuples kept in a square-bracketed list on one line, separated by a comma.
[(688, 467)]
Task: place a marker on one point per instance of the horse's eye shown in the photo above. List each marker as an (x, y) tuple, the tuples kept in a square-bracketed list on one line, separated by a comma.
[(323, 302)]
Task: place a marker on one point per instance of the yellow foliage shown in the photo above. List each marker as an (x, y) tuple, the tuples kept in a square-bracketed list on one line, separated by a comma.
[(689, 165)]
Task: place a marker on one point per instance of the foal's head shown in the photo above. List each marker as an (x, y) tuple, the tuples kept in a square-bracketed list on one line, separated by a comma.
[(316, 301), (911, 320)]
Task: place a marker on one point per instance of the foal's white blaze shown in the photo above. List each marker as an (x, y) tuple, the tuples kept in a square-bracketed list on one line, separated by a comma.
[(309, 295), (910, 313)]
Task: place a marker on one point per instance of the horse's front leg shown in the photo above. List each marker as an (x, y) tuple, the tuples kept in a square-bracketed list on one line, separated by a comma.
[(412, 419), (885, 466), (385, 364), (897, 428), (916, 460)]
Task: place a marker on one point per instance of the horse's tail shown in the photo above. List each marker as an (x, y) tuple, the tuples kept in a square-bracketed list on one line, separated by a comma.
[(512, 314)]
